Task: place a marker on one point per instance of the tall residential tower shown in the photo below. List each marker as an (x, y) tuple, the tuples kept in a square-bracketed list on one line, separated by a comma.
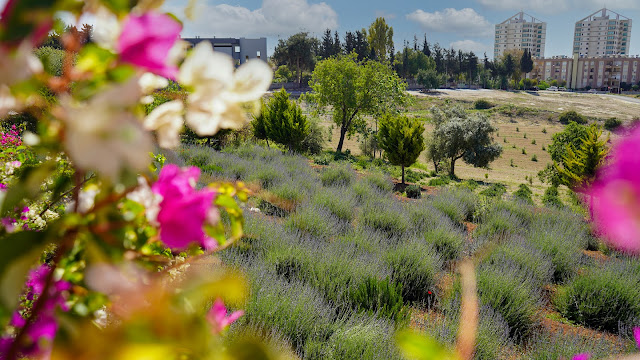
[(603, 33), (521, 31)]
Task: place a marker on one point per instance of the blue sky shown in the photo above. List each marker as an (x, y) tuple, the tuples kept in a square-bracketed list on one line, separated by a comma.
[(466, 24)]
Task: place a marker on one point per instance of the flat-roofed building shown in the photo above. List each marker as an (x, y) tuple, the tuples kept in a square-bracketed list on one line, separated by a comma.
[(603, 33), (521, 31), (240, 50), (604, 72)]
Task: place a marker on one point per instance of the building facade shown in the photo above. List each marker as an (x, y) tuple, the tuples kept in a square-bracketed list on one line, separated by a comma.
[(603, 33), (521, 31), (604, 72), (241, 50)]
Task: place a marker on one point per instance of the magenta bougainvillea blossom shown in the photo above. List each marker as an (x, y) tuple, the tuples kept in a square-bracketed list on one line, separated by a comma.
[(636, 335), (42, 330), (583, 356), (146, 41), (219, 319), (11, 137), (615, 195), (184, 211)]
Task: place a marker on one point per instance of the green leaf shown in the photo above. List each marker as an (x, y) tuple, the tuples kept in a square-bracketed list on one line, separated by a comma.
[(94, 58), (18, 253), (421, 347), (28, 186)]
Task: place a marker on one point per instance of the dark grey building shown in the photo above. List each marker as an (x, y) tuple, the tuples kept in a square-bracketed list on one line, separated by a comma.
[(240, 50)]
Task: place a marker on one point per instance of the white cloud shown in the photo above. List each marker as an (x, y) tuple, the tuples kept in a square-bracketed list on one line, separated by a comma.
[(469, 45), (556, 6), (465, 21), (273, 18)]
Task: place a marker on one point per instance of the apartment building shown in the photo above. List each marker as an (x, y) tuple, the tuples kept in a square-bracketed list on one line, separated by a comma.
[(241, 50), (521, 31), (604, 72), (603, 33)]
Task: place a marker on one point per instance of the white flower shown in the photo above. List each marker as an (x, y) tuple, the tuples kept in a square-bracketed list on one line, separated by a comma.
[(101, 318), (107, 29), (102, 134), (151, 82), (218, 92), (86, 200), (147, 198), (18, 65), (30, 138), (166, 119)]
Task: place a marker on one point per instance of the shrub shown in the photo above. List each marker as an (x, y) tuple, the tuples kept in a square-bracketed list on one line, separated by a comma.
[(601, 298), (52, 59), (523, 193), (340, 202), (534, 158), (383, 217), (612, 123), (360, 338), (440, 181), (495, 190), (571, 115), (482, 104), (314, 142), (341, 175), (323, 159), (551, 197), (415, 176), (415, 266), (458, 204), (379, 181), (561, 345), (446, 241), (525, 259), (413, 191), (380, 297), (512, 295), (315, 221)]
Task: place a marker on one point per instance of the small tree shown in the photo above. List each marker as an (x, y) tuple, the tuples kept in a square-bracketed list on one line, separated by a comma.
[(458, 135), (430, 79), (570, 137), (402, 140), (282, 121), (350, 89), (571, 115), (579, 164)]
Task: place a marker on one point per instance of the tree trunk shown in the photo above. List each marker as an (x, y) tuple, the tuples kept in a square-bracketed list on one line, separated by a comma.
[(453, 168), (343, 132), (268, 146), (402, 174), (435, 165)]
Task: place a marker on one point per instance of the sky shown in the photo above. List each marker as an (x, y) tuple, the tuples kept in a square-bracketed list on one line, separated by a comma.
[(462, 24)]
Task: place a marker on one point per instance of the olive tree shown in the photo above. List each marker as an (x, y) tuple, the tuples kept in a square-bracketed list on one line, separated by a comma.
[(459, 135), (349, 90), (401, 139)]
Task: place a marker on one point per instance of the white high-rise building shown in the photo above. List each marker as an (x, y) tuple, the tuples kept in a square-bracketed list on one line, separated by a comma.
[(521, 31), (603, 33)]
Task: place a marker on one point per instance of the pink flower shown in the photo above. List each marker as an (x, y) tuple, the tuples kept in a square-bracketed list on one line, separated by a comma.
[(583, 356), (184, 210), (636, 335), (218, 318), (42, 331), (146, 40), (616, 195)]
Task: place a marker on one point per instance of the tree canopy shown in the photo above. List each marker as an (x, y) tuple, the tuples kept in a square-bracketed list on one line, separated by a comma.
[(282, 121), (381, 39), (579, 164), (459, 135), (401, 139), (297, 52), (349, 90)]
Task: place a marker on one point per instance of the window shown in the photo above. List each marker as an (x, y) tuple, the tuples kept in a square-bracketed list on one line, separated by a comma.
[(258, 54), (237, 49)]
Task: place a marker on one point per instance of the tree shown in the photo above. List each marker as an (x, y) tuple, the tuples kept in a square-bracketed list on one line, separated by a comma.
[(380, 39), (349, 42), (297, 53), (430, 79), (425, 47), (402, 140), (570, 137), (458, 135), (579, 164), (282, 121), (509, 65), (526, 62), (326, 46), (362, 45), (353, 89), (337, 47)]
